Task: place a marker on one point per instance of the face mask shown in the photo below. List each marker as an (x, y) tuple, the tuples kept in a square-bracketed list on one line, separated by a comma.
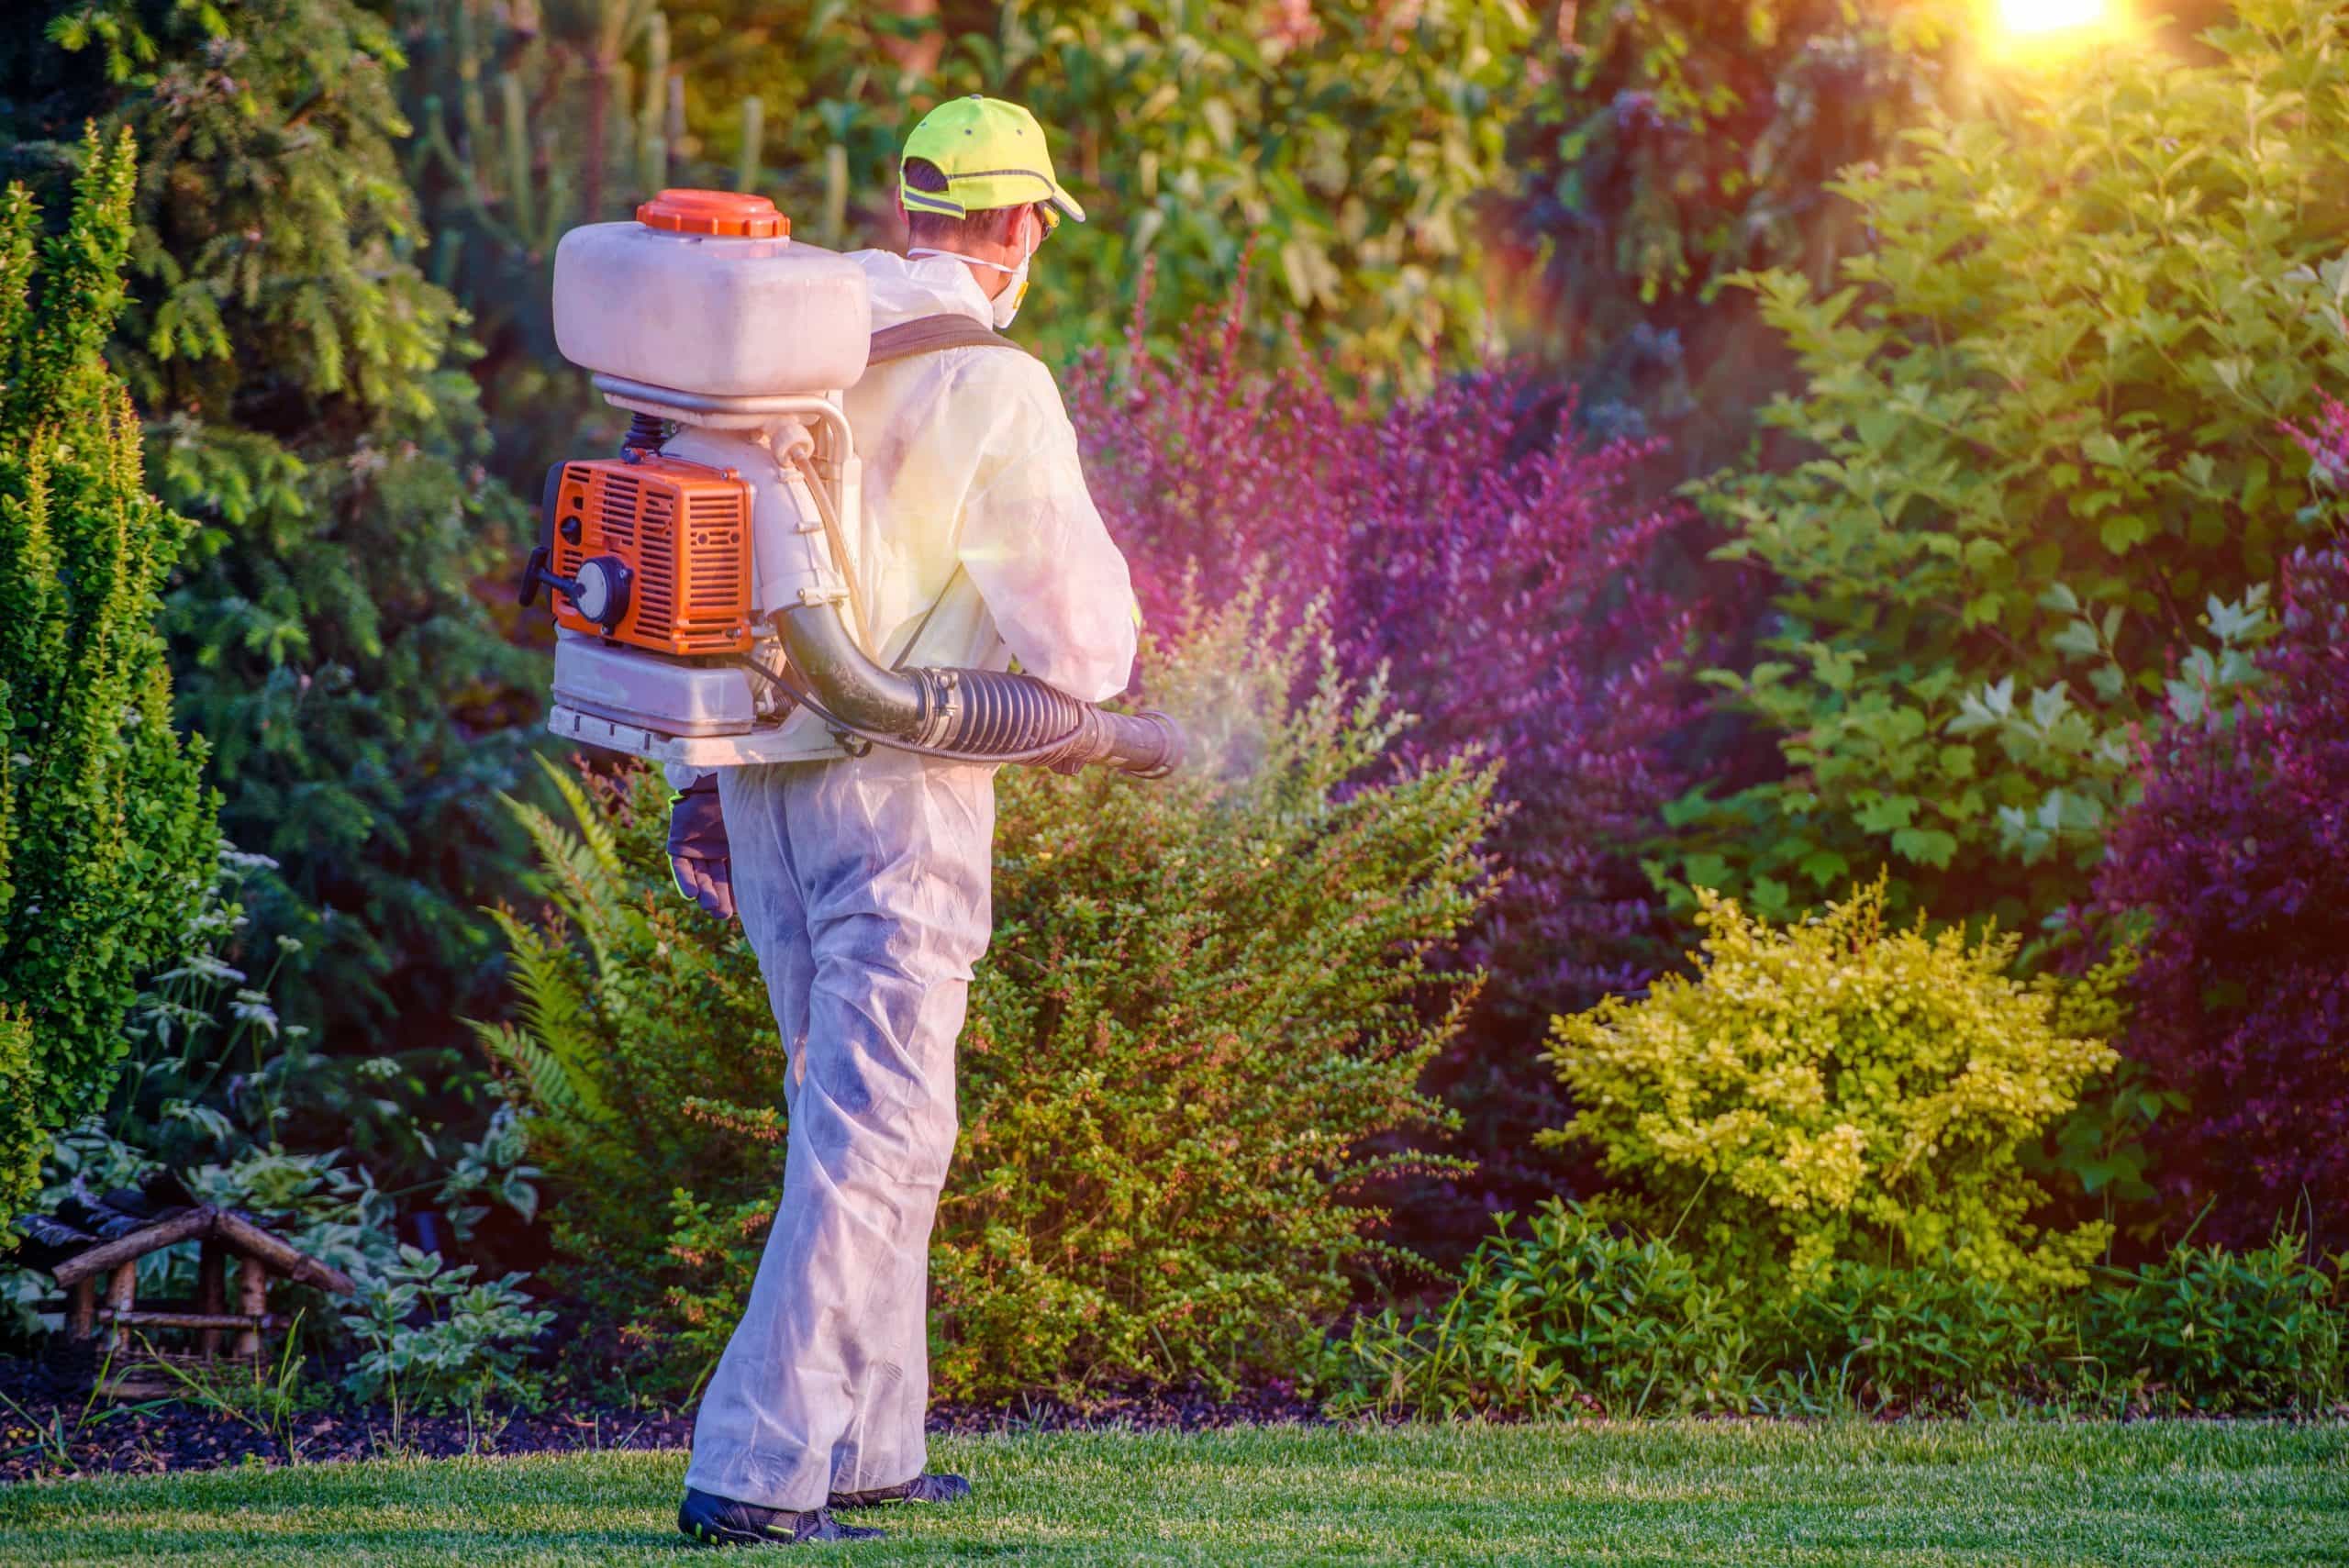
[(1007, 300)]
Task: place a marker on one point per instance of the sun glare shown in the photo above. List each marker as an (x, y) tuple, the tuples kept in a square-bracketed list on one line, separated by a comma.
[(2036, 18), (2041, 33)]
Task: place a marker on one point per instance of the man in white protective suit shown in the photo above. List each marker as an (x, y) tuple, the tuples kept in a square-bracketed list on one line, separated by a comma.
[(863, 882)]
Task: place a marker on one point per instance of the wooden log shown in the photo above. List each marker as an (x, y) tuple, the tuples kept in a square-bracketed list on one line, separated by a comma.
[(251, 1241), (211, 1293), (253, 1301), (83, 1319), (122, 1295), (211, 1321), (138, 1244)]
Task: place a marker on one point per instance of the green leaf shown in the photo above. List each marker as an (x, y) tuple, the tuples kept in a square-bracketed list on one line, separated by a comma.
[(1884, 813), (2125, 532), (1705, 870), (1825, 868), (2078, 639), (1926, 846)]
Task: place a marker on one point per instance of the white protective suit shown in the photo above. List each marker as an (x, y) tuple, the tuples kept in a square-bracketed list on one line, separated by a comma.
[(863, 886)]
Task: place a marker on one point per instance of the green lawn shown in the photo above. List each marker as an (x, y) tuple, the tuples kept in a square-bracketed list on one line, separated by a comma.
[(1983, 1492)]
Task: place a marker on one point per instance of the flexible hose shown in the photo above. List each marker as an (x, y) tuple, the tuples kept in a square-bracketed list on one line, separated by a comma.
[(986, 711), (806, 699), (994, 716)]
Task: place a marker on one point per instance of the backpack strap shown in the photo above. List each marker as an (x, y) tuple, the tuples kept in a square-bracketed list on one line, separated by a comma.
[(933, 334)]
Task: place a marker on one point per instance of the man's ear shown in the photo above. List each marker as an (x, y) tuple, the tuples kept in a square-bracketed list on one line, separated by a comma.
[(1008, 228), (1015, 238)]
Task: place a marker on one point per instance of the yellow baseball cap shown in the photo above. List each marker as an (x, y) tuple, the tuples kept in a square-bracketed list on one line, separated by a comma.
[(993, 155)]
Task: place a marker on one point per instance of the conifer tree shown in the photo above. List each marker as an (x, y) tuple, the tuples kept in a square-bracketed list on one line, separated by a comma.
[(307, 405), (108, 844)]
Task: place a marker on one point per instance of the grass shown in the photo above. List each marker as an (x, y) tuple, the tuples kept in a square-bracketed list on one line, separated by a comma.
[(1760, 1494)]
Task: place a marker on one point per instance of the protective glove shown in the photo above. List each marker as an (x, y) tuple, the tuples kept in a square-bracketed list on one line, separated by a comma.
[(697, 852)]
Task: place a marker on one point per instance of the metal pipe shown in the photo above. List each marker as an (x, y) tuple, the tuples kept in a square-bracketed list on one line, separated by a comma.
[(849, 684), (968, 714), (1148, 745), (724, 413)]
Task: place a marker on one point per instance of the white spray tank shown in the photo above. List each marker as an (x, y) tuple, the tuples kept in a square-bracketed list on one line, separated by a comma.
[(668, 563), (703, 579)]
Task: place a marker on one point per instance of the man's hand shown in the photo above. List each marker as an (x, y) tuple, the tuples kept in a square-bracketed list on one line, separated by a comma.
[(697, 852)]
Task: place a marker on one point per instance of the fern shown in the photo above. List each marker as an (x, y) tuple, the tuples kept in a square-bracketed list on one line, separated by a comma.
[(545, 1083)]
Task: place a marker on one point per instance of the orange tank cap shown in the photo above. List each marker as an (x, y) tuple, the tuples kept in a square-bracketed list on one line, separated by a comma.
[(727, 213)]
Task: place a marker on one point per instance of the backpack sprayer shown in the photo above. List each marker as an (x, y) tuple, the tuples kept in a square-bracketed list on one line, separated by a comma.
[(698, 578)]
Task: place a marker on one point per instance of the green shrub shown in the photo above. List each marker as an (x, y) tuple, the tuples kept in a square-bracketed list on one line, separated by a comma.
[(22, 1132), (1203, 994), (1931, 1336), (636, 1013), (307, 409), (207, 1100), (108, 844), (2210, 1330), (433, 1337), (1833, 1090), (2043, 457), (1346, 145), (1571, 1314), (1568, 1313)]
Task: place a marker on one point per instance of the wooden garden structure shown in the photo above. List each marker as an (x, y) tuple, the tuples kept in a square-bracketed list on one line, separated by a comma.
[(130, 1365)]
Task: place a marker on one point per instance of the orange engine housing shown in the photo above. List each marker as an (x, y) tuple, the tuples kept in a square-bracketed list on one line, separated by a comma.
[(684, 532)]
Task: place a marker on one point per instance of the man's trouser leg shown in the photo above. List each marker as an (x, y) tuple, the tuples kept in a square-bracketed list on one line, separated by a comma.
[(863, 888)]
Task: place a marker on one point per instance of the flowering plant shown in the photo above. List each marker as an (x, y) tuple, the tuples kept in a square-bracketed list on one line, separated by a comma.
[(2236, 856)]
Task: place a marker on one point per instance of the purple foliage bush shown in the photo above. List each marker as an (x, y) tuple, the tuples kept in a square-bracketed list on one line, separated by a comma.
[(1504, 575), (2239, 852)]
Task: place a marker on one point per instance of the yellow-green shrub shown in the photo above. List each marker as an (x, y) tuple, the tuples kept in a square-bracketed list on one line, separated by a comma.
[(1835, 1090)]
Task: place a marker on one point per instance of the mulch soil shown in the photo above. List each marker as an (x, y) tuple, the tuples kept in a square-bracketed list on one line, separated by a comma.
[(51, 1427)]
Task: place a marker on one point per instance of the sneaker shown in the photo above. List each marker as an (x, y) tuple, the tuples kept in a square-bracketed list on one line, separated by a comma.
[(922, 1488), (708, 1521)]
